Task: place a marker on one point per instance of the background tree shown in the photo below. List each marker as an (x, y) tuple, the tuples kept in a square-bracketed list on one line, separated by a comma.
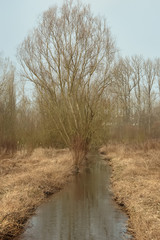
[(150, 76), (137, 67), (7, 105)]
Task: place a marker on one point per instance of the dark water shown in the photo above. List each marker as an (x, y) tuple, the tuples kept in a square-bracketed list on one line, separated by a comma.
[(84, 210)]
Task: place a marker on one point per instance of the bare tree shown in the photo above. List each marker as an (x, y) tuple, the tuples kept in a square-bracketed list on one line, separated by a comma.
[(137, 67), (123, 85), (7, 105), (150, 75), (69, 57)]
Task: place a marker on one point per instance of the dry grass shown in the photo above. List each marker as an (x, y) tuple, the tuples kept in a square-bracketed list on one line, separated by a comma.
[(136, 185), (27, 180)]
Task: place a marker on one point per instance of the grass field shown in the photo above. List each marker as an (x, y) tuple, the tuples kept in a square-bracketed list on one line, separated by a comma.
[(25, 181), (136, 185)]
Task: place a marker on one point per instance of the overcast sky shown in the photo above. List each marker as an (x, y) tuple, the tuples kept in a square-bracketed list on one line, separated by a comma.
[(135, 24)]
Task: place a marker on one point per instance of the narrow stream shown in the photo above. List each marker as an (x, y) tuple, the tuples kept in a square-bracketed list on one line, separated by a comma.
[(84, 210)]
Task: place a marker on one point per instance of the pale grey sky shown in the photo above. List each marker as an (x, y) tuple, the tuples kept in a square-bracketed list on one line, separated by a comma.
[(134, 23)]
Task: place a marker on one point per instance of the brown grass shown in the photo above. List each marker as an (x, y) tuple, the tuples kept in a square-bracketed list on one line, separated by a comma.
[(25, 181), (136, 185)]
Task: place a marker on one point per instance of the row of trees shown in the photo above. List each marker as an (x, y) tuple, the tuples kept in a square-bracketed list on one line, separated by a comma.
[(18, 114), (84, 93), (136, 96)]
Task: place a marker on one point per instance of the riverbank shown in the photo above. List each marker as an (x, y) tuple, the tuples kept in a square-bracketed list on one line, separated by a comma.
[(26, 181), (136, 185)]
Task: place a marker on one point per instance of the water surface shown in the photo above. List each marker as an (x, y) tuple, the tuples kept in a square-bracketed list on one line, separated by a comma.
[(84, 210)]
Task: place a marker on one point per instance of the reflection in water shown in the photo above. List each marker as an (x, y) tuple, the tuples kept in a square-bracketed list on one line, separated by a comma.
[(83, 211)]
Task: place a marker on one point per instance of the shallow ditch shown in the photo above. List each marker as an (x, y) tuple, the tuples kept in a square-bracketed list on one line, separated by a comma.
[(84, 210)]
